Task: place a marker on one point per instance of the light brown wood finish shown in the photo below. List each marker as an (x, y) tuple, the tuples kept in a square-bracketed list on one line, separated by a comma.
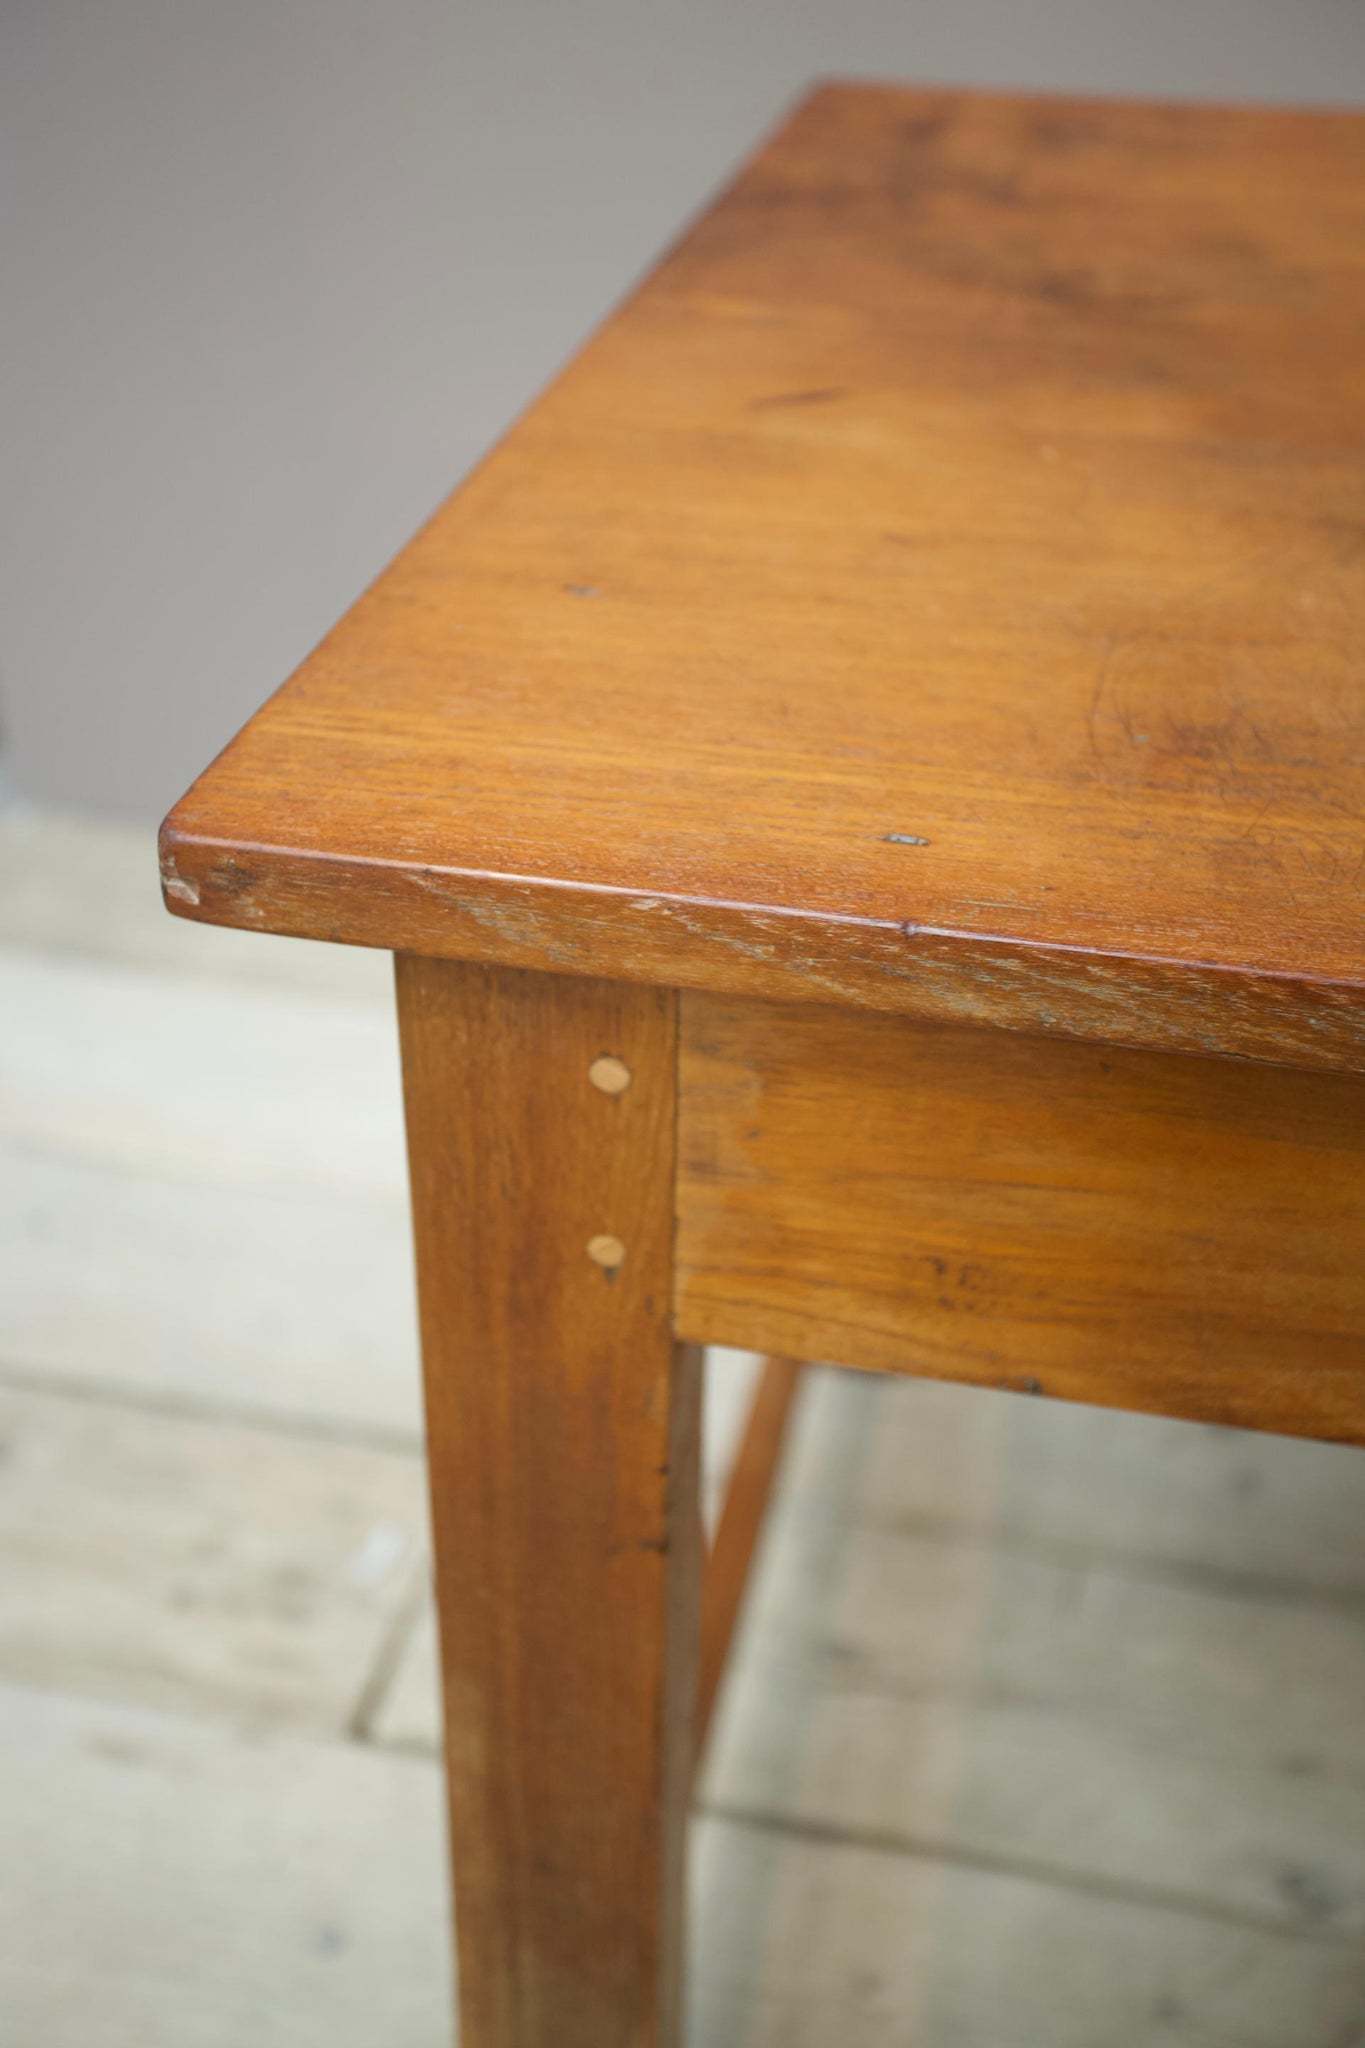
[(563, 1441), (740, 1526), (936, 590), (1179, 1235)]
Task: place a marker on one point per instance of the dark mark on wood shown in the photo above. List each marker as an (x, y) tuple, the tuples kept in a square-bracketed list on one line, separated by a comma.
[(824, 396)]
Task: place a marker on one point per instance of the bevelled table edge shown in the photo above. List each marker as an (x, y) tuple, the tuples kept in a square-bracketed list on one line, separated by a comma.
[(735, 948)]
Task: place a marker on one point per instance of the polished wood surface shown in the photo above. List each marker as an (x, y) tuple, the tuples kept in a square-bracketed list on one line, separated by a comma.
[(931, 602), (741, 1525), (937, 590), (1178, 1235), (562, 1426)]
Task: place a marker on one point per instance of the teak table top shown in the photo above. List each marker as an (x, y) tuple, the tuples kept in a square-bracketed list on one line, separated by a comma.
[(939, 588)]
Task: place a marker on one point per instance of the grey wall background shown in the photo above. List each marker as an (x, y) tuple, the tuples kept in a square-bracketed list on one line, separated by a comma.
[(273, 273)]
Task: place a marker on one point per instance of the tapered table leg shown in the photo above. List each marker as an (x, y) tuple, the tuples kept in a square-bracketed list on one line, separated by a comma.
[(563, 1443)]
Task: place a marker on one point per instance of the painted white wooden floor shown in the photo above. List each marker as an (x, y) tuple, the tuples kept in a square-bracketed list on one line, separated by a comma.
[(1047, 1729)]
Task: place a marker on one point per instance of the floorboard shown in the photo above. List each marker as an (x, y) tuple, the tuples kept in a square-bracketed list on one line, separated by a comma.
[(205, 1569), (287, 1304), (233, 1085), (1275, 1517), (172, 1884)]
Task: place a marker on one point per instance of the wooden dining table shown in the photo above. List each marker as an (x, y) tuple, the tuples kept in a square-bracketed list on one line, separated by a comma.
[(866, 790)]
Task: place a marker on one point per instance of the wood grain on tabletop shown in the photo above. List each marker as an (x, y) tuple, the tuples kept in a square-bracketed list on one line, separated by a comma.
[(937, 589), (562, 1431), (1179, 1235)]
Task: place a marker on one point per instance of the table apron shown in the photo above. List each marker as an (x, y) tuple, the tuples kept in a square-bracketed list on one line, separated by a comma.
[(1140, 1230)]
